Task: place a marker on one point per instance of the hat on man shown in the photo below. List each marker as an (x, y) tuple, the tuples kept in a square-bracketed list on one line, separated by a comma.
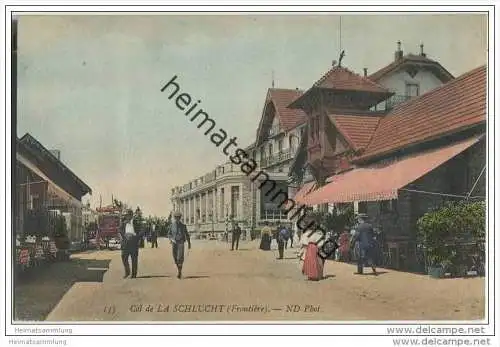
[(363, 216), (177, 214)]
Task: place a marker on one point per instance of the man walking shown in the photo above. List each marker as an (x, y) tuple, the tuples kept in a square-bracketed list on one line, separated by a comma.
[(365, 236), (178, 235), (236, 236), (154, 236), (282, 239), (130, 244)]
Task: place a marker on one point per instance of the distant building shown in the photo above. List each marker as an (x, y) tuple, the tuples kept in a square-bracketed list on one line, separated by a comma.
[(209, 202)]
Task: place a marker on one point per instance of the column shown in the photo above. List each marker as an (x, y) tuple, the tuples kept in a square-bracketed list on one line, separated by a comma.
[(214, 197), (196, 208), (257, 207), (191, 208), (241, 213), (207, 206)]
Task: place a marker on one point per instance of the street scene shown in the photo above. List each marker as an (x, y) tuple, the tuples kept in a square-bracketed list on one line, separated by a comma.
[(256, 287), (291, 168)]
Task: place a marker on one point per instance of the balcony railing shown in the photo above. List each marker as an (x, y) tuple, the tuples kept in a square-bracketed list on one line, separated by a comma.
[(395, 100), (273, 214), (279, 157)]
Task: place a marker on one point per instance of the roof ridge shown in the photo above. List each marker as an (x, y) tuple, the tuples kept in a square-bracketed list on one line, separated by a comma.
[(323, 78), (435, 90), (287, 89)]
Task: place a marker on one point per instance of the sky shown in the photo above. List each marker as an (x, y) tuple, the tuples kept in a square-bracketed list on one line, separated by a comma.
[(90, 85)]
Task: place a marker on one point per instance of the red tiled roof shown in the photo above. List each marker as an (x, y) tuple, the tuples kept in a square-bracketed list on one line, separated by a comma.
[(383, 182), (409, 59), (357, 130), (452, 107), (341, 78), (281, 98)]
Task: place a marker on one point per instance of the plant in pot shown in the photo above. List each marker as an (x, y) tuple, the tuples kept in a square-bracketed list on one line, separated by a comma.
[(433, 229)]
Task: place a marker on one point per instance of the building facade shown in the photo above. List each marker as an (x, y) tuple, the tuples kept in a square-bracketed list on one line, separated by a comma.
[(45, 187), (210, 202), (429, 150), (303, 138)]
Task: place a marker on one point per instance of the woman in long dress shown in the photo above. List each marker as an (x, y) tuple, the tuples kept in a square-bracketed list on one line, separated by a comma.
[(265, 239), (311, 256)]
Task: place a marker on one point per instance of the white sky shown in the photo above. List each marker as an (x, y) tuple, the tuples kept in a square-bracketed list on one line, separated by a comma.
[(90, 85)]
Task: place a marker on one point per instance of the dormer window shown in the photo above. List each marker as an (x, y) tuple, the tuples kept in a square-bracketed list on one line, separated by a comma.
[(412, 90)]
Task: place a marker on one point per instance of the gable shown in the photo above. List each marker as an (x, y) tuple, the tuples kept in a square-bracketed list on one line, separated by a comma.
[(412, 62), (451, 108), (398, 81), (266, 122), (276, 113)]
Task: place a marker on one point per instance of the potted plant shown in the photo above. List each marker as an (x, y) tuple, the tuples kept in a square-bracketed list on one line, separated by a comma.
[(442, 232)]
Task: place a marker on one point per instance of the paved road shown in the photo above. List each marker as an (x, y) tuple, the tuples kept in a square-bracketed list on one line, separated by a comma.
[(250, 284)]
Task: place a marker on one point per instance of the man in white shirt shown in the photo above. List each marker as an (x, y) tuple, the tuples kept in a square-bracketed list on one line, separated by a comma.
[(130, 245)]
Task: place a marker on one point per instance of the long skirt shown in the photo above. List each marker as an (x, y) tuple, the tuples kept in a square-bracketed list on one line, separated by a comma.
[(313, 264), (265, 242)]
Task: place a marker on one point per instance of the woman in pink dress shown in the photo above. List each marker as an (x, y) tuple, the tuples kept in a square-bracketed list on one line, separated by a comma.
[(310, 255)]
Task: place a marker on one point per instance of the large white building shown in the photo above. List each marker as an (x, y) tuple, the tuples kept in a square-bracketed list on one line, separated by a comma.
[(208, 203)]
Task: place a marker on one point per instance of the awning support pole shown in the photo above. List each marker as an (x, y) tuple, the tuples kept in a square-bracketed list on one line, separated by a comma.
[(475, 183)]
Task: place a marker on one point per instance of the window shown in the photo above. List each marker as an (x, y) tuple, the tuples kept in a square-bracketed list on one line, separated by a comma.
[(388, 206), (290, 142), (362, 207), (412, 90), (270, 150), (262, 153), (235, 198), (280, 145)]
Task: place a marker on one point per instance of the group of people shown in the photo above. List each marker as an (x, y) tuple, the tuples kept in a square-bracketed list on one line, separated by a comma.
[(281, 234), (131, 236), (316, 246)]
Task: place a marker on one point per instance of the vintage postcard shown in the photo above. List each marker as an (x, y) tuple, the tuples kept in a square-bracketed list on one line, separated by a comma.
[(250, 167)]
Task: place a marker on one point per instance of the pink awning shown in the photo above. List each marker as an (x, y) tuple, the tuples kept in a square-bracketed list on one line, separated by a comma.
[(301, 193), (383, 182)]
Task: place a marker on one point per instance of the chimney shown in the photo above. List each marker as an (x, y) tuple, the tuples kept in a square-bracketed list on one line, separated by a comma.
[(365, 71), (398, 55), (334, 62), (422, 54), (297, 89)]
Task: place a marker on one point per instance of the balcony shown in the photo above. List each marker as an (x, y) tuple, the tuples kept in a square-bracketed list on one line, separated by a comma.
[(395, 100), (283, 155)]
